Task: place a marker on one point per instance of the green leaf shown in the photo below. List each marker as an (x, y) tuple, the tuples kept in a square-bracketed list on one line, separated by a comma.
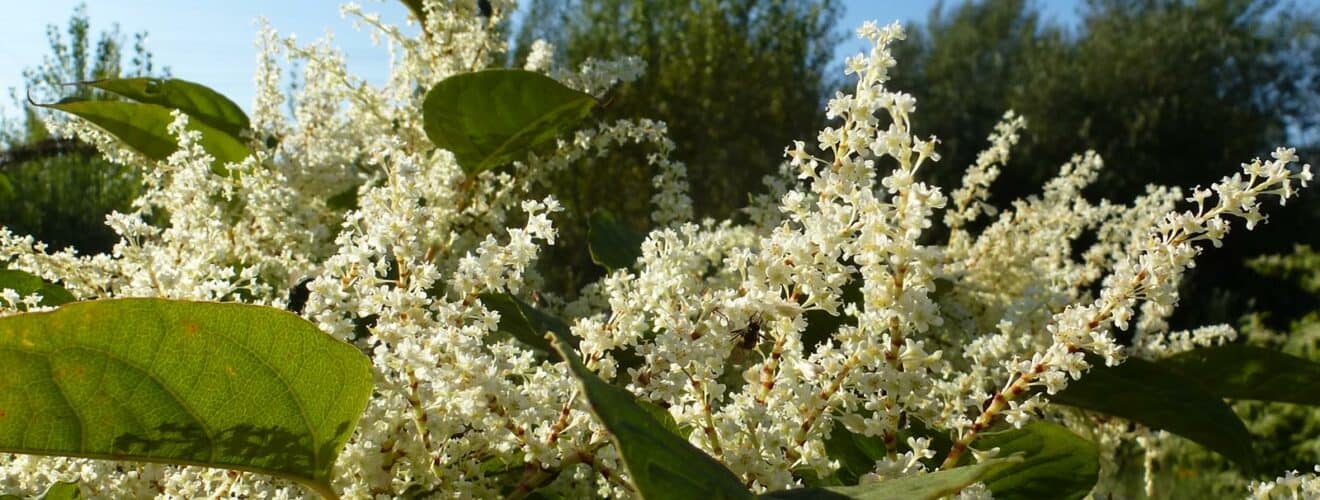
[(1159, 398), (662, 465), (665, 418), (613, 245), (62, 490), (1058, 463), (856, 453), (196, 100), (415, 6), (145, 128), (27, 284), (1239, 371), (931, 486), (492, 117), (222, 385), (526, 323)]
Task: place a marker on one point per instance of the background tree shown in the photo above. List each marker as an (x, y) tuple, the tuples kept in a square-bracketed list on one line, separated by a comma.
[(56, 190), (1175, 92), (735, 80)]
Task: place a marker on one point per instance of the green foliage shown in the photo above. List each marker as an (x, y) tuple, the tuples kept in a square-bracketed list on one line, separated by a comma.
[(61, 193), (58, 491), (489, 118), (662, 464), (1172, 92), (698, 59), (27, 284), (159, 380), (1238, 371), (58, 191), (1057, 463), (145, 128), (197, 101), (613, 245), (527, 323), (1159, 398), (935, 485)]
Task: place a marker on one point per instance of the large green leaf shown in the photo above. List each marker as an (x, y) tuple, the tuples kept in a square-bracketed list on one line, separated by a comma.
[(931, 486), (1246, 372), (613, 245), (492, 117), (222, 385), (27, 284), (1058, 463), (145, 129), (1159, 398), (662, 465), (527, 323), (196, 100)]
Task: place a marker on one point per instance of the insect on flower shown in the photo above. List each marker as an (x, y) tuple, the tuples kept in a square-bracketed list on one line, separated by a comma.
[(749, 336)]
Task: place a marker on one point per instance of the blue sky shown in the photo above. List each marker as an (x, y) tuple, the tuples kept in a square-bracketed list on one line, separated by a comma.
[(210, 41)]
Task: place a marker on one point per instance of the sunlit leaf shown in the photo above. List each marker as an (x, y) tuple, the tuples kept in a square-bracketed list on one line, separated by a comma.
[(145, 129), (198, 101), (222, 385), (492, 117), (924, 487), (1057, 464)]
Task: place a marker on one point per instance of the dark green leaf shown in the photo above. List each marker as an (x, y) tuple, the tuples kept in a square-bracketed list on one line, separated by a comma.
[(1246, 372), (931, 486), (1159, 398), (145, 129), (662, 465), (27, 284), (415, 6), (221, 385), (196, 100), (345, 200), (857, 454), (492, 117), (1058, 463), (526, 323), (613, 245)]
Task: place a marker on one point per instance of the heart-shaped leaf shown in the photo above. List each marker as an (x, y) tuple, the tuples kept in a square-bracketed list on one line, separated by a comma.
[(613, 245), (492, 117), (221, 385), (1238, 371), (1159, 398), (196, 100), (661, 464), (27, 284), (1058, 464)]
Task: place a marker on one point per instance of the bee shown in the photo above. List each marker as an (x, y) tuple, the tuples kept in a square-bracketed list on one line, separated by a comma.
[(749, 336)]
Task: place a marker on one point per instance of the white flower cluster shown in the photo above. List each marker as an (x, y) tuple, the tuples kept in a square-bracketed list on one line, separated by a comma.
[(1290, 486), (860, 321)]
